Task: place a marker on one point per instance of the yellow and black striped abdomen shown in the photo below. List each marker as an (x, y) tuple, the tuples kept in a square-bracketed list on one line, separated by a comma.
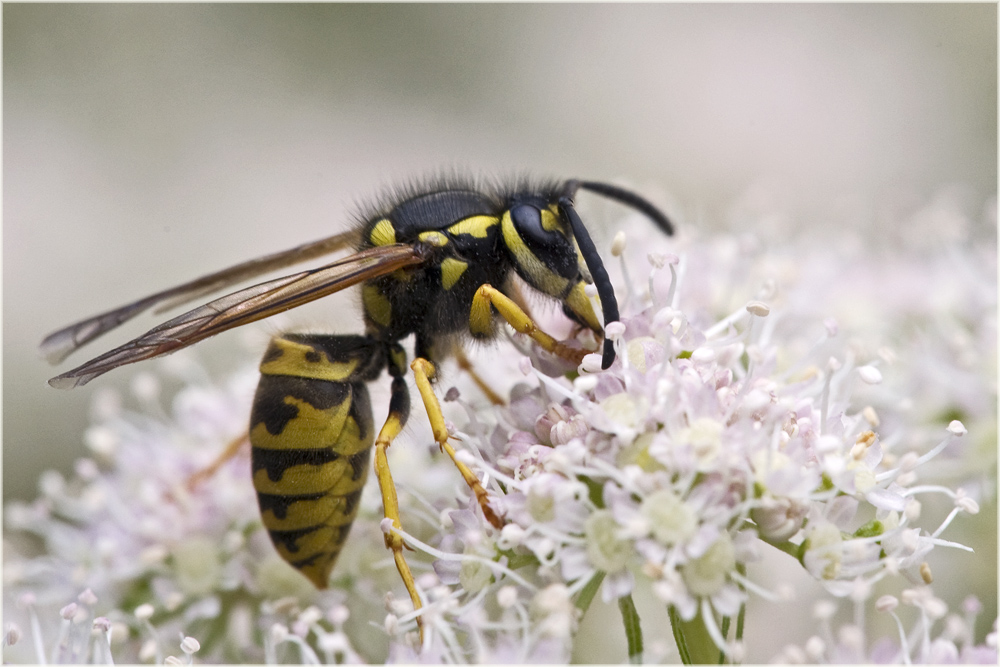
[(312, 432)]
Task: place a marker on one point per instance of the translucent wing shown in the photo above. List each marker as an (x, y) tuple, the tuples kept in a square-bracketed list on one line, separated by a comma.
[(60, 344), (247, 305)]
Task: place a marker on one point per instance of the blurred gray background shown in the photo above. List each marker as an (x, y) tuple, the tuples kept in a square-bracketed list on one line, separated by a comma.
[(147, 144)]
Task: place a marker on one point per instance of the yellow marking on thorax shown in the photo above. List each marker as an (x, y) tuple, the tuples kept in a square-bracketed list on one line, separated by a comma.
[(436, 239), (451, 270), (383, 233), (376, 305), (477, 226), (301, 360)]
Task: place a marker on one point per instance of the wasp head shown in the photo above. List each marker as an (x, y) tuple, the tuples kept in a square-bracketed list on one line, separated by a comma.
[(543, 244)]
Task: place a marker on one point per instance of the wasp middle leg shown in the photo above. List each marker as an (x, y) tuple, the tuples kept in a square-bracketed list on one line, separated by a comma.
[(423, 371)]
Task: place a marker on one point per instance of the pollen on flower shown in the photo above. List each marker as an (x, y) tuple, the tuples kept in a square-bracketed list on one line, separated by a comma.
[(871, 416), (592, 363), (618, 244), (870, 374), (967, 504), (507, 596)]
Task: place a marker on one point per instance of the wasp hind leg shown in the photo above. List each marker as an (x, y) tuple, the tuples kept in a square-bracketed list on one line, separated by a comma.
[(399, 410)]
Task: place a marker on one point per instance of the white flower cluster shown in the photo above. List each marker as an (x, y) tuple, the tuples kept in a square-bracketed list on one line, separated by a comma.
[(676, 463), (953, 644), (159, 548), (711, 438), (736, 419)]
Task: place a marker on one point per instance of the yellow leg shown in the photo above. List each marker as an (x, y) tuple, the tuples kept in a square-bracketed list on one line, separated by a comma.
[(479, 317), (423, 370), (390, 503), (229, 452), (463, 362)]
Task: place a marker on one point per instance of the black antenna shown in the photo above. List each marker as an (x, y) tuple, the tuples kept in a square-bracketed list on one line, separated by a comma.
[(630, 199), (595, 264), (609, 303)]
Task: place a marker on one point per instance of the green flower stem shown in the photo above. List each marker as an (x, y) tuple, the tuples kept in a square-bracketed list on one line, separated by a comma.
[(586, 595), (725, 633), (693, 641), (739, 622), (741, 617), (793, 550), (633, 630)]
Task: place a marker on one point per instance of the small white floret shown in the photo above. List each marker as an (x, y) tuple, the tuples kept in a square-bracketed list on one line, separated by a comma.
[(870, 374), (758, 308)]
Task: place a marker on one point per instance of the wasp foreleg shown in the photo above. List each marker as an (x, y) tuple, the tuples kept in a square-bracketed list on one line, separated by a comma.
[(480, 316)]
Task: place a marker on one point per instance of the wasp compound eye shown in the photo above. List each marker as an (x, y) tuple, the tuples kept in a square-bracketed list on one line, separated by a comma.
[(541, 231)]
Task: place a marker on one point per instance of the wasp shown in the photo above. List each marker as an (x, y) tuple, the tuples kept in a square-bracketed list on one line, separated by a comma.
[(436, 261)]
